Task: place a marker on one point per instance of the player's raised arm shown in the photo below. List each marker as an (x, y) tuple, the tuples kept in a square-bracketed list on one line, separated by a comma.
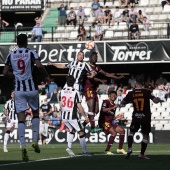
[(57, 65), (110, 75)]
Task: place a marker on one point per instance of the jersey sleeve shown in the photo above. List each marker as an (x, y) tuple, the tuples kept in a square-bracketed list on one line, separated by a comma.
[(105, 104), (8, 61), (68, 65), (34, 55), (88, 68)]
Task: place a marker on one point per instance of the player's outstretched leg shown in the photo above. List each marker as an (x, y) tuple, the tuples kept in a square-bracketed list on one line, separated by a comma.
[(36, 147), (24, 154)]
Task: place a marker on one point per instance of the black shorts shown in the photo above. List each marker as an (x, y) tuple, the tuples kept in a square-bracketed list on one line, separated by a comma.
[(145, 127)]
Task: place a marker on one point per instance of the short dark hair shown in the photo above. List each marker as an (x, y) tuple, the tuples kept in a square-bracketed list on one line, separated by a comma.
[(139, 79), (93, 53), (70, 80), (21, 39), (114, 92)]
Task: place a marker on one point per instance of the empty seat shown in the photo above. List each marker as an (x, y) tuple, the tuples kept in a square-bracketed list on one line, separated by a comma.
[(162, 17), (118, 34), (73, 35), (165, 114), (123, 109), (160, 109), (73, 5), (156, 114), (57, 35), (110, 4), (103, 96), (157, 9), (164, 122), (153, 2), (158, 126), (83, 4), (153, 17), (166, 8), (108, 34), (165, 104), (148, 10), (144, 3), (116, 3), (168, 109), (153, 33), (166, 127), (87, 11)]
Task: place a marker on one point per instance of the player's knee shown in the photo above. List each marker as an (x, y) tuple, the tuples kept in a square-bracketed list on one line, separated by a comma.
[(145, 141), (8, 131)]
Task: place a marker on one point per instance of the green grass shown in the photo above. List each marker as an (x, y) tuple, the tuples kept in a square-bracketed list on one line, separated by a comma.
[(55, 157)]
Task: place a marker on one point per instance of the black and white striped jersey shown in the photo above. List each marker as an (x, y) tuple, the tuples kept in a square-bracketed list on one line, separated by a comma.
[(10, 107), (69, 98), (78, 70), (22, 61)]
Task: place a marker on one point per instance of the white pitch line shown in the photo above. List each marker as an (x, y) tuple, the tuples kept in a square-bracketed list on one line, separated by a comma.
[(18, 163)]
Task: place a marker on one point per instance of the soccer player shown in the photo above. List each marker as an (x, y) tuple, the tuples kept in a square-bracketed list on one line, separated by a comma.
[(26, 91), (107, 115), (78, 70), (90, 88), (141, 117), (70, 102), (11, 119)]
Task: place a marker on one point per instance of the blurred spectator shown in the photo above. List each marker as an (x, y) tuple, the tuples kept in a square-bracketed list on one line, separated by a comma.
[(123, 1), (43, 132), (132, 3), (122, 121), (146, 24), (164, 2), (131, 81), (116, 16), (56, 120), (102, 89), (62, 14), (140, 16), (54, 96), (71, 17), (28, 120), (3, 24), (112, 86), (37, 32), (132, 14), (41, 88), (161, 80), (81, 33), (46, 108), (134, 31), (125, 15), (120, 97), (94, 7), (99, 15), (99, 31), (80, 15), (37, 19), (107, 16), (50, 88)]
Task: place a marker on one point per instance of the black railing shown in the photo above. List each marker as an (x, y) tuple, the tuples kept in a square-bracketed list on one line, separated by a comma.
[(69, 33)]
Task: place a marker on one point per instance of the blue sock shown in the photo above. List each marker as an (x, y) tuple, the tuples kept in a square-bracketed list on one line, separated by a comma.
[(35, 128), (21, 133)]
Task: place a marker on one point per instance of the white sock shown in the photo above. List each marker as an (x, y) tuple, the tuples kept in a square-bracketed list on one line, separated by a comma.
[(6, 137), (83, 144), (70, 139)]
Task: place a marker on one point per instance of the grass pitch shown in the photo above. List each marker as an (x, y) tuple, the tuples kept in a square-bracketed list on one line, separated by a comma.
[(54, 156)]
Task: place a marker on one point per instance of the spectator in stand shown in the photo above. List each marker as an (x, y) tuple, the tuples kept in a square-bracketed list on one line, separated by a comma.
[(50, 88), (120, 97), (146, 24), (46, 108), (71, 17), (131, 81), (125, 15), (99, 31), (134, 31), (54, 96), (43, 133), (81, 33), (80, 15), (124, 1), (132, 3), (132, 14), (99, 16), (116, 16), (94, 7), (56, 120), (3, 24), (37, 32), (102, 89), (41, 88), (160, 80), (62, 14), (107, 16), (140, 16), (112, 86), (164, 2)]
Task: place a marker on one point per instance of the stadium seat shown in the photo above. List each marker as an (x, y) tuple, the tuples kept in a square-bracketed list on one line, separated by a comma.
[(108, 34), (157, 10), (144, 3), (118, 34), (165, 114), (166, 9), (103, 96), (166, 127), (116, 3), (123, 110), (153, 2), (109, 4), (73, 35), (158, 126), (74, 5), (87, 11), (57, 35), (153, 17), (168, 109), (155, 114), (83, 4), (162, 17), (148, 10), (160, 109)]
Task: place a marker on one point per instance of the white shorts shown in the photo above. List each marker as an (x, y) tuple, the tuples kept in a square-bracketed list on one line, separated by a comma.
[(12, 123), (76, 86), (72, 124), (23, 99)]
